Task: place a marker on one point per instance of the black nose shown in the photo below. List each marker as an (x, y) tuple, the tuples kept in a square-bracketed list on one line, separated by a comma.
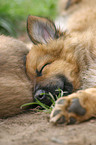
[(42, 97)]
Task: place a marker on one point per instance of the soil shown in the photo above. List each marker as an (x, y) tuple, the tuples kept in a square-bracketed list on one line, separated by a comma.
[(35, 129)]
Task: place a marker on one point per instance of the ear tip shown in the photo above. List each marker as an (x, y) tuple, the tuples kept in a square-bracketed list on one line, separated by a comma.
[(29, 16), (32, 17)]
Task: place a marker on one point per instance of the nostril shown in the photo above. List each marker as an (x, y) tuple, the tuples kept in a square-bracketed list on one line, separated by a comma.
[(39, 95)]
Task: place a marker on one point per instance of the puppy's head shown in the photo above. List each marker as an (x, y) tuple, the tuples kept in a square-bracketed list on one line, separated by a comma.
[(47, 63)]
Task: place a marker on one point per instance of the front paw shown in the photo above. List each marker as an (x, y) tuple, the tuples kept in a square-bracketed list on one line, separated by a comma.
[(72, 109)]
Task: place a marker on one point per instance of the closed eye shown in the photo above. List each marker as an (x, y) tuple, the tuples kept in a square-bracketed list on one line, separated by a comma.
[(39, 73)]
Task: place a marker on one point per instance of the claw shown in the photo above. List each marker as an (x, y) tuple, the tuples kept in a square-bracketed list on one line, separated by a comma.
[(61, 120), (61, 101), (56, 112)]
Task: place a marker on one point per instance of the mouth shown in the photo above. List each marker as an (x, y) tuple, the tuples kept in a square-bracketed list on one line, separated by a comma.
[(42, 93)]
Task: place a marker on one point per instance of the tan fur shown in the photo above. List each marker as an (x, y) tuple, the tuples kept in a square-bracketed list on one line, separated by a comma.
[(62, 61), (80, 16), (15, 87), (71, 56), (81, 24), (74, 56)]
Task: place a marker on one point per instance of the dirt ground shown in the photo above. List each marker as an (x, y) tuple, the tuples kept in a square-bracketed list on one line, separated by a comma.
[(35, 129)]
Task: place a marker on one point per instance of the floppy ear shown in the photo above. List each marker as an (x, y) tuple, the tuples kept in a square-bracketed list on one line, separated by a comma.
[(40, 30)]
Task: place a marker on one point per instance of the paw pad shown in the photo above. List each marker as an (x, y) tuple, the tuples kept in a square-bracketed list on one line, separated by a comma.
[(76, 107), (72, 120)]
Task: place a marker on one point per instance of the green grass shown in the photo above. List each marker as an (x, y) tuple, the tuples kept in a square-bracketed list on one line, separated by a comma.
[(16, 11), (25, 7), (7, 27), (46, 108)]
